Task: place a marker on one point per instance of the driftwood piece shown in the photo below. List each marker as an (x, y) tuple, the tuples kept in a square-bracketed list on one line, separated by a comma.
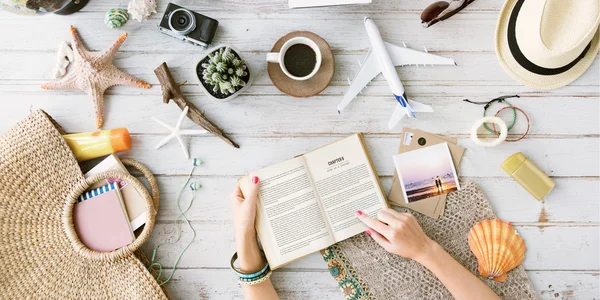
[(171, 91)]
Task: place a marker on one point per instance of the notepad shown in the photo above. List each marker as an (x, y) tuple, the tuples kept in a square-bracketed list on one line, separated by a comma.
[(135, 204), (101, 221)]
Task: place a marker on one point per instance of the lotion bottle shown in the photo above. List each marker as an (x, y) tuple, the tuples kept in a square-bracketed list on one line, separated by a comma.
[(89, 145), (526, 173)]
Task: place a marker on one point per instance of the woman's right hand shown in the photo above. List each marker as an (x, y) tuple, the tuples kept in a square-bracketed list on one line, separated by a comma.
[(399, 233)]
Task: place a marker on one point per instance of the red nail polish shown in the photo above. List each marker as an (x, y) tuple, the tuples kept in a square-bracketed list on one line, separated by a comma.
[(368, 231), (255, 180), (359, 213)]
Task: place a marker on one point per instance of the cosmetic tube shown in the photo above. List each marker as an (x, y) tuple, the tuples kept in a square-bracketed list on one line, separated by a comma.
[(526, 173), (89, 145)]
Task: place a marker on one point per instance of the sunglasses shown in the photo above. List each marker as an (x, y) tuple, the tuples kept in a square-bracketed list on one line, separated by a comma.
[(442, 10)]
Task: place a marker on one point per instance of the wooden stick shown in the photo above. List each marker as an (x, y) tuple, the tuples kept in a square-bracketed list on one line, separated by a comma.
[(171, 91)]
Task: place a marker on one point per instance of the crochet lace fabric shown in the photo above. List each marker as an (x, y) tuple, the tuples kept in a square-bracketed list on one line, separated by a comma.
[(364, 270)]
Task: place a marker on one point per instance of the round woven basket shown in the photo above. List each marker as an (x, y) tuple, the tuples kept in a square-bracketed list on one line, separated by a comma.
[(43, 257)]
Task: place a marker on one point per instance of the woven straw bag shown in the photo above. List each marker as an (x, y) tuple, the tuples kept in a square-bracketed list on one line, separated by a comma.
[(41, 254)]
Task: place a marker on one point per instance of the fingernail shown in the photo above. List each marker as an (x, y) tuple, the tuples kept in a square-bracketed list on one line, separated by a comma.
[(254, 179), (368, 231), (359, 213)]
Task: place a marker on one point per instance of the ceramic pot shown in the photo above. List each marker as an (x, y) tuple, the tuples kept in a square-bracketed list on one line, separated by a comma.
[(208, 88)]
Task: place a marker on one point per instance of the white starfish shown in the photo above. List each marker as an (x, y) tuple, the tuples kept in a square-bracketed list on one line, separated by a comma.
[(177, 132)]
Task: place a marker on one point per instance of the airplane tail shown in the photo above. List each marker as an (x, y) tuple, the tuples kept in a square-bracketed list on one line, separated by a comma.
[(400, 111)]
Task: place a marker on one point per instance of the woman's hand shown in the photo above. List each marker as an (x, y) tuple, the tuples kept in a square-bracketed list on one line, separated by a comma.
[(244, 208), (244, 215), (250, 258), (399, 233)]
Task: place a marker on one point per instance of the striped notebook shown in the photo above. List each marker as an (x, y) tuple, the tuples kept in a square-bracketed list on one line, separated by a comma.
[(101, 220), (98, 191)]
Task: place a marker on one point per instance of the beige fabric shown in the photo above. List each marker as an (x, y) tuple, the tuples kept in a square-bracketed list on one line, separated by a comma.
[(42, 256), (388, 276), (550, 33)]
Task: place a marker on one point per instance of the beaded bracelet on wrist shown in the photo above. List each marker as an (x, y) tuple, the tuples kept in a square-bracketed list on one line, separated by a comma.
[(247, 275), (258, 281), (251, 278)]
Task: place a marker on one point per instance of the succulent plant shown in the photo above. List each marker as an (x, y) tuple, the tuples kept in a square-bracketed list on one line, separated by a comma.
[(224, 71)]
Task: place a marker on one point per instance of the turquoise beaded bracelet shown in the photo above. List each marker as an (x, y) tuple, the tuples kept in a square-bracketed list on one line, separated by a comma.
[(249, 277), (260, 276)]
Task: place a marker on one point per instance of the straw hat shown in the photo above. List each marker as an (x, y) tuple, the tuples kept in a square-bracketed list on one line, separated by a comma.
[(546, 44)]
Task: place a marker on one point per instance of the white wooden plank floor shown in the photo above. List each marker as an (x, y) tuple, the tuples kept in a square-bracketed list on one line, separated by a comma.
[(562, 232)]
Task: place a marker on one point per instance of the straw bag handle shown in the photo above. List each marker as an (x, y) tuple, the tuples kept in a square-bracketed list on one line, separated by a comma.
[(151, 208), (138, 166)]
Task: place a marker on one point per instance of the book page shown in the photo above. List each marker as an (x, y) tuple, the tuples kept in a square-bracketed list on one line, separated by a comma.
[(290, 222), (345, 182)]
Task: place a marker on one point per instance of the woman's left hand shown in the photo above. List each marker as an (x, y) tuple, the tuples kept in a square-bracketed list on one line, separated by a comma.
[(244, 208), (244, 216)]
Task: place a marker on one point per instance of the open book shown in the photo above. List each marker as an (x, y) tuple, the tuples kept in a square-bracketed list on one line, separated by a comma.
[(309, 203)]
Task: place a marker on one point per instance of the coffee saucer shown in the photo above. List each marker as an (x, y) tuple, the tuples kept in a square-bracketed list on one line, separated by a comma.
[(309, 87)]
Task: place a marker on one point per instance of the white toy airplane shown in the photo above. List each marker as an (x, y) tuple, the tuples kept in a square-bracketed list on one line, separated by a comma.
[(382, 58)]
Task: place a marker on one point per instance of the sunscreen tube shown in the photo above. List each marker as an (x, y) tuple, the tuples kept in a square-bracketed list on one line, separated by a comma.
[(89, 145), (534, 180)]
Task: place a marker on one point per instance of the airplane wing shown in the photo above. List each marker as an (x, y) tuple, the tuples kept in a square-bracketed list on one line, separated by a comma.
[(400, 56), (368, 70), (400, 112)]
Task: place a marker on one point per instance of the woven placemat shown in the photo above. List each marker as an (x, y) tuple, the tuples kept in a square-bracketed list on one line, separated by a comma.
[(42, 256), (364, 270)]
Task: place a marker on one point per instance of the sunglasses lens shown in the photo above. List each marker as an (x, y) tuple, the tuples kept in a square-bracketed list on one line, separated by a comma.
[(433, 10)]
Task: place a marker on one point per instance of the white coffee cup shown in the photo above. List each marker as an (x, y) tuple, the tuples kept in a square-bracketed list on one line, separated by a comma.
[(278, 57)]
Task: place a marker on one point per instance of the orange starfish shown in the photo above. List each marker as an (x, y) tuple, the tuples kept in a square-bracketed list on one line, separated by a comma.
[(93, 72)]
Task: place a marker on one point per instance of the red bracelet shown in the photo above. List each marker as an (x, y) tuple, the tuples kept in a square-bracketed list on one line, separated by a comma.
[(526, 117)]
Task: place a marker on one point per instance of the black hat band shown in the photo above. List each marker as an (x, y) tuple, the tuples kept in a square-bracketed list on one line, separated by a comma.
[(520, 57)]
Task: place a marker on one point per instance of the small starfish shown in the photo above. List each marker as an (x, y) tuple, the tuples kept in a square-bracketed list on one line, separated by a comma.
[(177, 132), (93, 72)]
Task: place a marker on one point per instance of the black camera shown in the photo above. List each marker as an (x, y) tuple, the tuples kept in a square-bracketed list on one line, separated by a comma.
[(188, 26)]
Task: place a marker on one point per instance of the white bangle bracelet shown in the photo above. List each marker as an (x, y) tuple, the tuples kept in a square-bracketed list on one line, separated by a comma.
[(258, 281), (489, 119)]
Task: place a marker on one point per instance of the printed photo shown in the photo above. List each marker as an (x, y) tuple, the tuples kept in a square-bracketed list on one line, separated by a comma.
[(426, 172)]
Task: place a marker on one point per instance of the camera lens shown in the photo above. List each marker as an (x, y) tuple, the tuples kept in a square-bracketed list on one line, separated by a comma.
[(182, 21)]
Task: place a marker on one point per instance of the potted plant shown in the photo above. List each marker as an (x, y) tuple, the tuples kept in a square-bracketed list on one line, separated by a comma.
[(223, 74)]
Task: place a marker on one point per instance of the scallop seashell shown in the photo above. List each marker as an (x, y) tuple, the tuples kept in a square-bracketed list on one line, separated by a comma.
[(116, 17), (498, 247)]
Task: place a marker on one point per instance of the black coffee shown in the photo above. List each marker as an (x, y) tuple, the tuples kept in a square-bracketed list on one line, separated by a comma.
[(300, 60)]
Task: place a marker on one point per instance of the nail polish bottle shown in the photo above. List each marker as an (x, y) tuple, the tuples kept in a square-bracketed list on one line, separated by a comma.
[(526, 173)]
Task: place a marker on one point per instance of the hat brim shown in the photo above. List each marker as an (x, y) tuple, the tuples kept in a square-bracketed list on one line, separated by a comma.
[(526, 77)]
